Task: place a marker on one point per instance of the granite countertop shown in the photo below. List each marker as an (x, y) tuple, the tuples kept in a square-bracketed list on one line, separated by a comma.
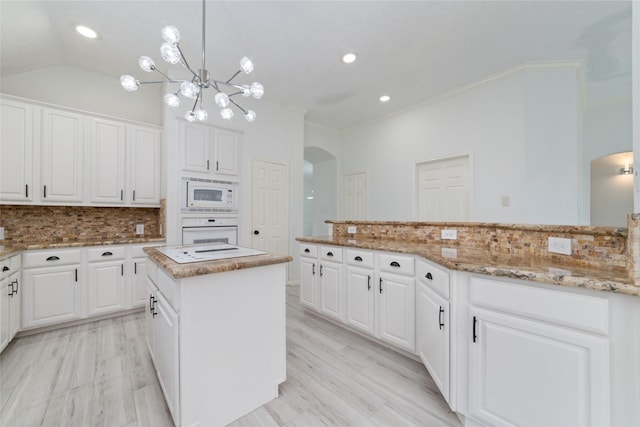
[(484, 261), (9, 249), (181, 271)]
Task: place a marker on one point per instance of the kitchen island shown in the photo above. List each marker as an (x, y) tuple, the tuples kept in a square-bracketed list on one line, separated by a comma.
[(216, 333)]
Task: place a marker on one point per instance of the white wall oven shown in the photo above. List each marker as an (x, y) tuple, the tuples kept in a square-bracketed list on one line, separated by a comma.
[(212, 229)]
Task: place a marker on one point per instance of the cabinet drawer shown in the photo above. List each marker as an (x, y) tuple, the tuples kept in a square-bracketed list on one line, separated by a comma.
[(310, 251), (393, 263), (51, 258), (434, 277), (330, 253), (169, 288), (152, 270), (9, 266), (359, 258), (577, 311), (106, 253)]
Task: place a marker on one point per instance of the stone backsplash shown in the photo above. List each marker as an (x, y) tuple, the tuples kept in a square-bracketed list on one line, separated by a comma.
[(61, 224), (594, 246)]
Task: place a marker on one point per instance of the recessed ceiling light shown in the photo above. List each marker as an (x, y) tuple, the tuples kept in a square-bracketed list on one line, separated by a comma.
[(385, 98), (348, 58), (86, 31)]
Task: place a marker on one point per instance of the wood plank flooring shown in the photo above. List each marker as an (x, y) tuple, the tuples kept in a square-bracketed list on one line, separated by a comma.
[(100, 374)]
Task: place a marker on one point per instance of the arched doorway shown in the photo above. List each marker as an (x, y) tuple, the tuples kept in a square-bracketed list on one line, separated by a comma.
[(320, 190)]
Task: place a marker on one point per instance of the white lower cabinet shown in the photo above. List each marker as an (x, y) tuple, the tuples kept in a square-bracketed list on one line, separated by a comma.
[(138, 283), (308, 282), (106, 280), (162, 332), (396, 310), (360, 299), (537, 357), (15, 303), (433, 325), (330, 291), (51, 295)]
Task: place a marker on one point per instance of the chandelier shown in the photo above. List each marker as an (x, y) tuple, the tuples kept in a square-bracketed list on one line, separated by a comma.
[(193, 89)]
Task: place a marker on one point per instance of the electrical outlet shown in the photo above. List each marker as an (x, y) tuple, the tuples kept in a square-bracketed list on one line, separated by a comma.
[(140, 229), (449, 252), (559, 245), (449, 234), (1, 233), (352, 229)]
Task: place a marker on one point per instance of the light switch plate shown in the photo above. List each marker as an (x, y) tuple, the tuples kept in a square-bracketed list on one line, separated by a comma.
[(449, 234), (558, 245), (352, 229), (140, 229)]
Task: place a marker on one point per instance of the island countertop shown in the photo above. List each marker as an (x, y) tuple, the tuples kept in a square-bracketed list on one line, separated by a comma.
[(484, 261), (181, 271)]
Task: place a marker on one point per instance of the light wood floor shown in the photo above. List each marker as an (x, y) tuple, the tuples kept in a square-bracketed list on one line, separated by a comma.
[(100, 374)]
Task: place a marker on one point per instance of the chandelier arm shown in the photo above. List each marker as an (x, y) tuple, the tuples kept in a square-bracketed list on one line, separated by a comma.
[(233, 77), (159, 81), (225, 83), (167, 77), (185, 63), (236, 104), (235, 93), (196, 103)]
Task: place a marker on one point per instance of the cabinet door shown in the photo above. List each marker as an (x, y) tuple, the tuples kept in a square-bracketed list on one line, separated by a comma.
[(107, 159), (51, 295), (4, 312), (62, 160), (145, 155), (149, 317), (360, 299), (432, 335), (15, 305), (396, 309), (167, 353), (138, 284), (16, 152), (226, 152), (106, 287), (196, 147), (330, 290), (308, 282), (527, 373)]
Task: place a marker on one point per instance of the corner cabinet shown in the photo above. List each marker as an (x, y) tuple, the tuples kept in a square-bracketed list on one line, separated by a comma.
[(16, 151)]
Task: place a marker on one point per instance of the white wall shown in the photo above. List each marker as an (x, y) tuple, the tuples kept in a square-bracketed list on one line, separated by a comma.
[(85, 90), (490, 120)]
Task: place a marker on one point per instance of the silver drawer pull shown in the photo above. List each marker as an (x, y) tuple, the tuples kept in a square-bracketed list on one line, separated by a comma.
[(53, 258)]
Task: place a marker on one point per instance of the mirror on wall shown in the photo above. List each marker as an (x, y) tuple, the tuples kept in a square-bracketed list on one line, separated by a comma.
[(612, 189)]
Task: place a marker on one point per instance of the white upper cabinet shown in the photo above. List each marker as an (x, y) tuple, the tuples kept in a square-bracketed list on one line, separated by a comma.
[(226, 152), (61, 161), (16, 151), (43, 158), (209, 151), (145, 154), (107, 158)]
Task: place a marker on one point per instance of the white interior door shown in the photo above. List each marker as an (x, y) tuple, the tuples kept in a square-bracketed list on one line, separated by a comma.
[(270, 207), (443, 190), (354, 191)]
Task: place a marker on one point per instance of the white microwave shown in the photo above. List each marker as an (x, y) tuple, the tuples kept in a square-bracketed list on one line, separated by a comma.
[(210, 195)]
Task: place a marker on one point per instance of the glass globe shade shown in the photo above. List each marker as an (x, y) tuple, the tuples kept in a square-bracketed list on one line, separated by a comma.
[(171, 34), (170, 53), (257, 90), (201, 114), (189, 90), (246, 65), (226, 113), (129, 83), (190, 116), (222, 99), (146, 63), (250, 115), (246, 91), (172, 100)]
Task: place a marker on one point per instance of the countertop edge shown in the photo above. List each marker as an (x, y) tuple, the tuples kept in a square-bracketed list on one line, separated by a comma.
[(184, 271), (554, 276), (9, 249)]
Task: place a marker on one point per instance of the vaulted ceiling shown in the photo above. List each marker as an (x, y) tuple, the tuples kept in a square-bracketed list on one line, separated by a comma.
[(411, 50)]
